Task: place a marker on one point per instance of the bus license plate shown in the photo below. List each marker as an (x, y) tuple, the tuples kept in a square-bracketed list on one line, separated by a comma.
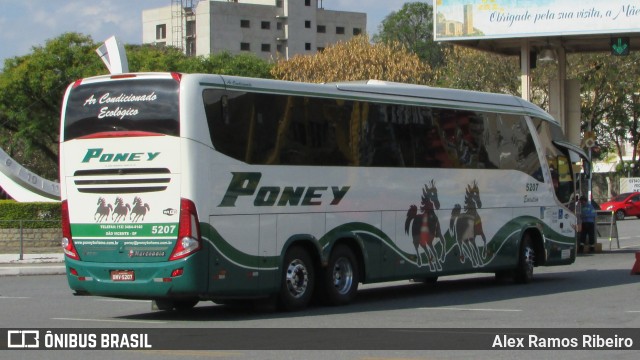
[(122, 275)]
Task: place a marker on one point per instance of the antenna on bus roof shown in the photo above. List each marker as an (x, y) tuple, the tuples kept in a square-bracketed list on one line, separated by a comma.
[(114, 56)]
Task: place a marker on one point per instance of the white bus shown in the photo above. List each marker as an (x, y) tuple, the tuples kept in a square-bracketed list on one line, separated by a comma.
[(187, 187)]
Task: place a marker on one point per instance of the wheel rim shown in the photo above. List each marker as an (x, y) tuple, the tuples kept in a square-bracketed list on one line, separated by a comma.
[(620, 215), (529, 258), (297, 278), (342, 275)]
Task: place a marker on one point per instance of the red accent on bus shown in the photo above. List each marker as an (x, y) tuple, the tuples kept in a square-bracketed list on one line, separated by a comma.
[(69, 249), (77, 83), (123, 76), (176, 76), (189, 240), (112, 134), (177, 272)]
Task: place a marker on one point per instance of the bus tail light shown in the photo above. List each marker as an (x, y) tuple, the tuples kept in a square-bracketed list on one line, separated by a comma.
[(189, 240), (67, 241)]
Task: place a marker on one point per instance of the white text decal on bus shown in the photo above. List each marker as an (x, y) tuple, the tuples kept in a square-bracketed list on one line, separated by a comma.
[(119, 112)]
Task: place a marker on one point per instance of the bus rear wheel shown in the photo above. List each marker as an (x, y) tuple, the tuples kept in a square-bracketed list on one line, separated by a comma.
[(341, 277), (180, 305), (298, 280), (526, 261)]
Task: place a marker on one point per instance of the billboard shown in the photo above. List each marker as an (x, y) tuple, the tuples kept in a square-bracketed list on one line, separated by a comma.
[(489, 19)]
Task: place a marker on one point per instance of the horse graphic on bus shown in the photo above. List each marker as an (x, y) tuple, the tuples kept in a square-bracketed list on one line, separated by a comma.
[(425, 228), (121, 210), (465, 225)]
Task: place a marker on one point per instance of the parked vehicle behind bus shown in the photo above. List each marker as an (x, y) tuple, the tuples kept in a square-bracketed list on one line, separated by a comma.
[(180, 188)]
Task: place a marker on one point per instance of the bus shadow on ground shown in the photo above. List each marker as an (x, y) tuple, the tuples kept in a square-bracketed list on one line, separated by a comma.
[(409, 295)]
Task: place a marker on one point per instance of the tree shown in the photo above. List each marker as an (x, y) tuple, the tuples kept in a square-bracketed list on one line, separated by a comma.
[(31, 91), (356, 59), (610, 99), (240, 65), (471, 69), (412, 26), (32, 88)]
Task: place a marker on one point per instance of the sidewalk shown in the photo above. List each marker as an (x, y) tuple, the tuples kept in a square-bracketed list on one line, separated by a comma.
[(32, 264)]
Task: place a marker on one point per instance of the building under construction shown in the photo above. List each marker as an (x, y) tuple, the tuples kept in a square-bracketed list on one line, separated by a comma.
[(267, 28)]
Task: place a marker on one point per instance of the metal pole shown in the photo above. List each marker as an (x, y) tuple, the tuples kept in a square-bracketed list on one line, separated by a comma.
[(21, 243)]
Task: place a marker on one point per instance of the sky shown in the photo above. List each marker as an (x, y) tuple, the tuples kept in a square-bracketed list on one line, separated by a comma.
[(25, 24)]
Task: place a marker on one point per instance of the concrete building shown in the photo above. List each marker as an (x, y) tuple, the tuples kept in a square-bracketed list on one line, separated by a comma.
[(267, 28)]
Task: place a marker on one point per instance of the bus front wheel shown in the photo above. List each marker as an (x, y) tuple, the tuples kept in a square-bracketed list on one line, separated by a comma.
[(341, 276), (298, 280), (526, 261)]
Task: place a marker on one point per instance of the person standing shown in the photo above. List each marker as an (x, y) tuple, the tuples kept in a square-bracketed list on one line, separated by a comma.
[(588, 226)]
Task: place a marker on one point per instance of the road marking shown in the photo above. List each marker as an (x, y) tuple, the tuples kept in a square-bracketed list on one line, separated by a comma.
[(122, 300), (14, 297), (113, 320), (633, 311), (468, 309), (194, 353)]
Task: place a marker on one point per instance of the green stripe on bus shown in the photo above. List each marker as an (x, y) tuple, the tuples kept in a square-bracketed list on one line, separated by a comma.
[(158, 230)]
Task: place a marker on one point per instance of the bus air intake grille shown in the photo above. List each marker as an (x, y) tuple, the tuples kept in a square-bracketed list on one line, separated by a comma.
[(122, 181)]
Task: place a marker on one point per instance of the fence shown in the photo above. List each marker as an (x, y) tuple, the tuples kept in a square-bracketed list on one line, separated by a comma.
[(29, 236)]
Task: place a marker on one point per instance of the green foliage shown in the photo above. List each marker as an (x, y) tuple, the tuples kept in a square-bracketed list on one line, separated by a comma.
[(31, 91), (240, 65), (476, 70), (34, 215), (32, 88), (150, 58), (610, 98), (412, 26)]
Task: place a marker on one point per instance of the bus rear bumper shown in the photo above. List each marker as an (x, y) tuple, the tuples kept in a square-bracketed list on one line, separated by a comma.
[(171, 279)]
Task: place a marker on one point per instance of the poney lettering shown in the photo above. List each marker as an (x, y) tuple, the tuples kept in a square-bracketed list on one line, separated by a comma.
[(99, 155), (246, 184)]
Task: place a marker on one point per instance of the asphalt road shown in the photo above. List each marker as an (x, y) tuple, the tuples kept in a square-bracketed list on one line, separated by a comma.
[(597, 291)]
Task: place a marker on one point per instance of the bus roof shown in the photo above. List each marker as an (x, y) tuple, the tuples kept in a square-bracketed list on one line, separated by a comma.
[(371, 90)]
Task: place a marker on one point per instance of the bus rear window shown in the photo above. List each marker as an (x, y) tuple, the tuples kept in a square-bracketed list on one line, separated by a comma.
[(123, 106)]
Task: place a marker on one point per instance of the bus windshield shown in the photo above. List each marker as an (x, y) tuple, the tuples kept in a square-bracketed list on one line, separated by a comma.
[(120, 106)]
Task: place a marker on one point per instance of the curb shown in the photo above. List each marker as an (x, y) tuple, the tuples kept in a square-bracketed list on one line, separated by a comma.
[(32, 270)]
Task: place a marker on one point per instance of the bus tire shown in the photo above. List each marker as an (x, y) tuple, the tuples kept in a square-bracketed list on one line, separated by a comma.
[(526, 261), (341, 277), (162, 305), (297, 281), (186, 304)]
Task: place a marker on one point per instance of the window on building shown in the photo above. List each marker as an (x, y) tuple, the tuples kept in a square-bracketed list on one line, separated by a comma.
[(280, 48), (279, 3), (307, 46), (244, 46), (191, 47), (279, 25), (191, 28), (161, 31), (307, 24), (322, 29), (340, 30), (265, 25), (266, 47), (245, 23), (307, 2), (357, 31)]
